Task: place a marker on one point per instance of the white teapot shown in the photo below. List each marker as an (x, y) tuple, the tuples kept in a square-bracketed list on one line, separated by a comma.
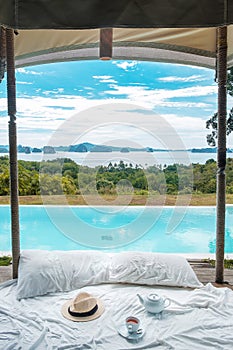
[(154, 303)]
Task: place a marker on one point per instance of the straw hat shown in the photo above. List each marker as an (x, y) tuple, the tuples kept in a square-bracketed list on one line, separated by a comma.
[(84, 307)]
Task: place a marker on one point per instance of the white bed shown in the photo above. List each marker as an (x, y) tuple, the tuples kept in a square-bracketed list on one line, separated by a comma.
[(200, 318)]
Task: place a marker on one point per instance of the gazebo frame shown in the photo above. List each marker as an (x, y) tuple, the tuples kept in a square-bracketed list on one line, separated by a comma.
[(7, 41)]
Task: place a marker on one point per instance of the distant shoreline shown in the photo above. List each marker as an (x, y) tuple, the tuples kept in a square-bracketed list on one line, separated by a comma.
[(192, 150), (86, 147), (145, 159)]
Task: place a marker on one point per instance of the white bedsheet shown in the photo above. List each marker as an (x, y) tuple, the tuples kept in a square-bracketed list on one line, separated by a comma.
[(199, 319)]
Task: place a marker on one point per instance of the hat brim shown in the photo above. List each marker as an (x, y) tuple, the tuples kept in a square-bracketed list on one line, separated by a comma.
[(66, 314)]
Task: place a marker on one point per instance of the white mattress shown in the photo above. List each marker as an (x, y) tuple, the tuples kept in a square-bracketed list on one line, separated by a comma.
[(199, 319)]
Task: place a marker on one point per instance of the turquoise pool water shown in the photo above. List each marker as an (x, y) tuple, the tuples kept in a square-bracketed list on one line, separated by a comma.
[(158, 229)]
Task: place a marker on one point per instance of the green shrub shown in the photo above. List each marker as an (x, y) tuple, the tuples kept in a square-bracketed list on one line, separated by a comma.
[(5, 260), (228, 263)]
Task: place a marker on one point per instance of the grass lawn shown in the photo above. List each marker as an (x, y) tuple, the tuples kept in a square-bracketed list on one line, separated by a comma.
[(193, 200)]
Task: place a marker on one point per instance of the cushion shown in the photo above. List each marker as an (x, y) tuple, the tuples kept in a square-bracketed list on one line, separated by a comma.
[(152, 269), (41, 272)]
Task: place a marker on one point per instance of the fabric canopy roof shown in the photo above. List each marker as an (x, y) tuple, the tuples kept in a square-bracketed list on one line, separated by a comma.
[(84, 14), (195, 46), (154, 30)]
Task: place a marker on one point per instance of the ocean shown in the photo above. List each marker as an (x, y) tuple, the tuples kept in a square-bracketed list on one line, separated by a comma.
[(144, 159)]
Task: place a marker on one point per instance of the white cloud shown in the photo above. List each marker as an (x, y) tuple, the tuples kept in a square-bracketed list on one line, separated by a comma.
[(42, 112), (192, 78), (54, 91), (126, 64), (161, 97), (24, 82), (46, 115), (28, 71), (183, 104), (192, 91), (108, 81), (39, 118), (102, 76), (185, 123), (132, 124)]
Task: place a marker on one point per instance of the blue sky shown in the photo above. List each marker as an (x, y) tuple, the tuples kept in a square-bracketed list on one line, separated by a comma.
[(182, 97)]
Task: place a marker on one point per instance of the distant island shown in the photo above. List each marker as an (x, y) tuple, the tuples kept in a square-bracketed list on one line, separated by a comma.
[(90, 147), (208, 150)]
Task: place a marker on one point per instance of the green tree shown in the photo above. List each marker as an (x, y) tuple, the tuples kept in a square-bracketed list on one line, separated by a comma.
[(120, 178), (104, 186), (4, 183), (68, 185), (212, 122), (50, 185), (70, 168)]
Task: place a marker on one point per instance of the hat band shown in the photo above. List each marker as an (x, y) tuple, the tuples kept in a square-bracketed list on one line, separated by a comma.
[(83, 314)]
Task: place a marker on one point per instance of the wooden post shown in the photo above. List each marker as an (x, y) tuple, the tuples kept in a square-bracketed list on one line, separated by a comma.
[(11, 95), (221, 156), (105, 44)]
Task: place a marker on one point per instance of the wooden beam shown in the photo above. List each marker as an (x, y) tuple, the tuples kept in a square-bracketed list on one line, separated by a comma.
[(105, 52), (11, 95), (221, 156)]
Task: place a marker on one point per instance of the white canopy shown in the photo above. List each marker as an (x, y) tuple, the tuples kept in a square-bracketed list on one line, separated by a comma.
[(182, 31), (195, 46)]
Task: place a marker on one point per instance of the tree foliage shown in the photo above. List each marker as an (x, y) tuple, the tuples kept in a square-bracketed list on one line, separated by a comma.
[(66, 177), (212, 122), (230, 82)]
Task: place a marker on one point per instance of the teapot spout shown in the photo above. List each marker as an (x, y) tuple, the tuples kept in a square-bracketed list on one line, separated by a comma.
[(141, 299)]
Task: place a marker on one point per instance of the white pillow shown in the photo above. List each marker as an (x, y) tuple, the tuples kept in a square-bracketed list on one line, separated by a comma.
[(152, 269), (41, 272)]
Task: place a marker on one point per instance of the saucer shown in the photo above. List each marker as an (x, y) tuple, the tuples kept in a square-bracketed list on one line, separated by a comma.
[(123, 331)]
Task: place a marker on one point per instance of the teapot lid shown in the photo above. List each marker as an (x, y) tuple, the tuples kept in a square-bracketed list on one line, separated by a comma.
[(154, 297)]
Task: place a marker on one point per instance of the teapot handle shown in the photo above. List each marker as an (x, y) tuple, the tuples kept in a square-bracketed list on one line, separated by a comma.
[(168, 302)]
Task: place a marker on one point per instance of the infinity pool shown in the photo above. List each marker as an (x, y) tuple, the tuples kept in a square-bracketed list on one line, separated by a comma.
[(157, 229)]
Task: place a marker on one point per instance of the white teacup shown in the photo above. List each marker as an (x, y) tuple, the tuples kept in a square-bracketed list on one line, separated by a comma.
[(132, 324)]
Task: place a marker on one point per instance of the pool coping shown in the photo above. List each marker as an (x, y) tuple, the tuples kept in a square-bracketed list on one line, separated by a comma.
[(116, 206), (189, 256)]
